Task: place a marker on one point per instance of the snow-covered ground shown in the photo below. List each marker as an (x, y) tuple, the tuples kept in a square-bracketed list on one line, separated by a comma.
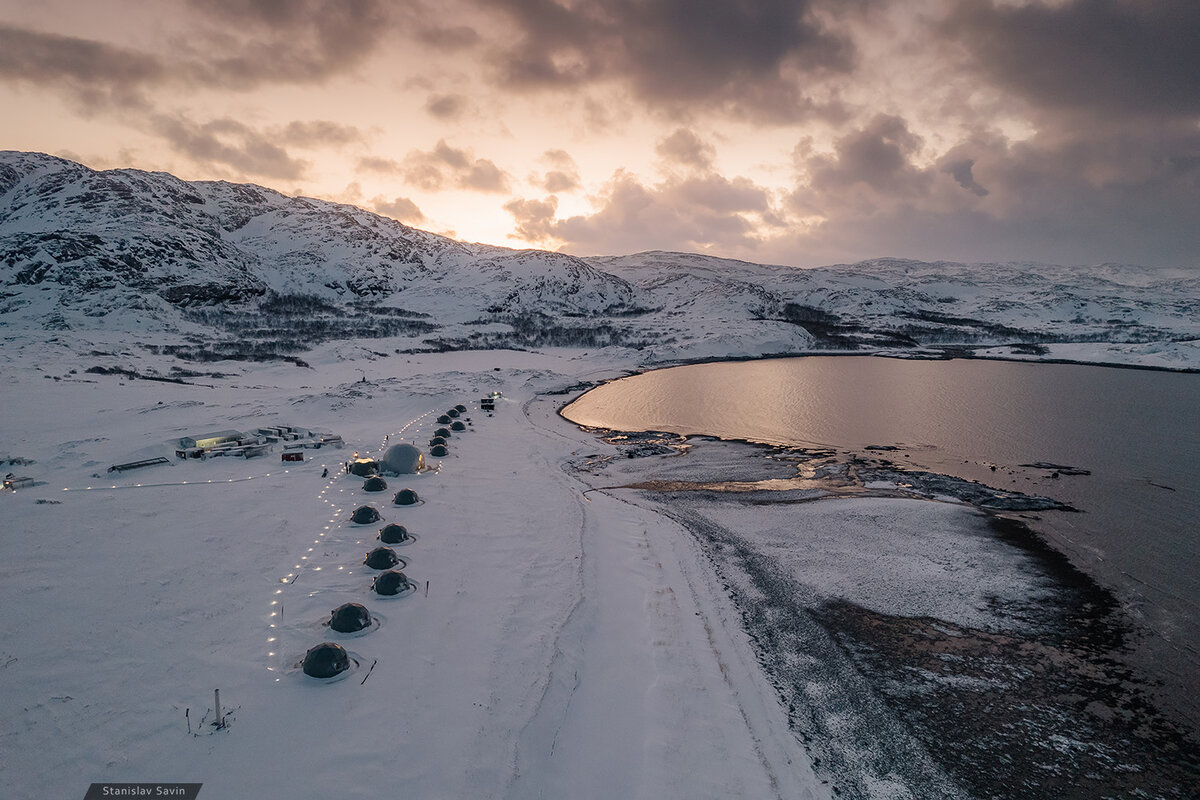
[(566, 645)]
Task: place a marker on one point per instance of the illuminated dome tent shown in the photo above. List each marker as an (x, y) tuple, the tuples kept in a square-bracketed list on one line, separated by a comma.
[(452, 412), (364, 514), (439, 450), (382, 558), (349, 617), (363, 467), (405, 497), (393, 534), (326, 660), (402, 459), (460, 408), (443, 432), (458, 425), (391, 582), (444, 419), (374, 484)]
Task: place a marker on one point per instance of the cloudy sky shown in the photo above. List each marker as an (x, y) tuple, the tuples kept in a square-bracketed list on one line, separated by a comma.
[(799, 132)]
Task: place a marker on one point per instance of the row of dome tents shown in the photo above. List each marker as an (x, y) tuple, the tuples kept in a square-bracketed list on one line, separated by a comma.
[(329, 659)]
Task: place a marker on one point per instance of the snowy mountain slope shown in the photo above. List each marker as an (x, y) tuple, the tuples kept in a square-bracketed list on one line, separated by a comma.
[(126, 250)]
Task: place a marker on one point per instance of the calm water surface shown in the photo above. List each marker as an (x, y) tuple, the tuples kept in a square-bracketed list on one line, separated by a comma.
[(1138, 431)]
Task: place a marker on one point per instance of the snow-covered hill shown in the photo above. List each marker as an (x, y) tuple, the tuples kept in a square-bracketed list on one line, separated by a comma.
[(126, 250)]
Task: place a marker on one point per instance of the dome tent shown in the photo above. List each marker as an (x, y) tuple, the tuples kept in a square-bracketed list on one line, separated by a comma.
[(382, 558), (405, 497), (452, 412), (364, 514), (363, 467), (458, 425), (402, 459), (393, 534), (444, 432), (439, 450), (326, 660), (374, 484), (460, 408), (391, 582), (444, 419), (437, 440), (349, 618)]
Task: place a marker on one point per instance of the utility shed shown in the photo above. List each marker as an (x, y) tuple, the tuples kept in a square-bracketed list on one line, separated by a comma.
[(211, 439)]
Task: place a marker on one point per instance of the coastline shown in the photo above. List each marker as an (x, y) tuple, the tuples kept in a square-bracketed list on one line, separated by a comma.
[(1158, 705)]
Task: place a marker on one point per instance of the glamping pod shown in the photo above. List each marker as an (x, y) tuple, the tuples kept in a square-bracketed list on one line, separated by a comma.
[(439, 450), (391, 582), (364, 514), (437, 440), (382, 558), (460, 408), (458, 425), (326, 660), (349, 618), (444, 419), (374, 484), (405, 497), (452, 413), (393, 534), (443, 432), (363, 467), (402, 459)]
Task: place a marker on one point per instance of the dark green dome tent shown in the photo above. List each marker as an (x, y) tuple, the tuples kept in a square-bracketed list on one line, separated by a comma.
[(437, 440), (374, 484), (326, 660), (452, 413), (364, 514), (460, 408), (405, 497), (393, 534), (458, 425), (349, 617), (439, 450), (402, 459), (444, 432), (382, 558), (443, 420), (391, 582), (363, 467)]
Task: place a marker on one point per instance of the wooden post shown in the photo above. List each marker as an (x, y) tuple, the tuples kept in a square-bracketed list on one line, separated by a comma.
[(217, 704)]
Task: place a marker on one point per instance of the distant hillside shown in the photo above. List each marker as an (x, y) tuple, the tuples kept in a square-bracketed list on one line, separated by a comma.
[(213, 268)]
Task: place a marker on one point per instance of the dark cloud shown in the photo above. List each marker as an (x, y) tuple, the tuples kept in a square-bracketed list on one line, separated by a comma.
[(562, 175), (686, 148), (95, 73), (741, 56), (239, 44), (1109, 56), (877, 156), (1106, 193), (230, 144), (387, 166), (399, 208), (454, 37), (446, 106), (447, 167), (961, 171), (319, 133)]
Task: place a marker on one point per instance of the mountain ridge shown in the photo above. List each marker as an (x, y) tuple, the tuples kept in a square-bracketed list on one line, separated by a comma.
[(130, 250)]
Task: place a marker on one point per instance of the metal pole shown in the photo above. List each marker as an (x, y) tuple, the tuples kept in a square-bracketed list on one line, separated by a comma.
[(217, 704)]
